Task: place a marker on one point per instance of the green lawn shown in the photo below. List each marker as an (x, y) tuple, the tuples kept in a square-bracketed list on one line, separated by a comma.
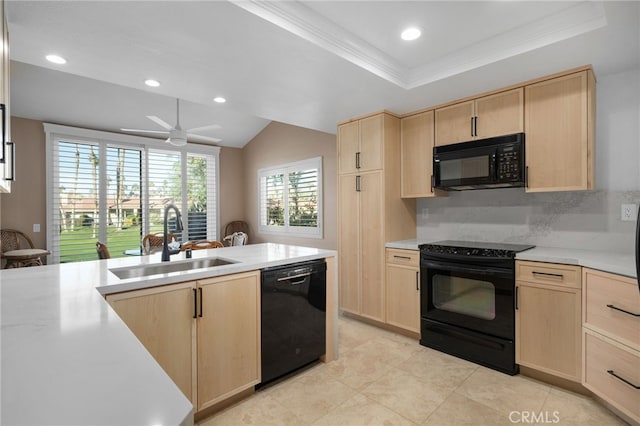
[(79, 245)]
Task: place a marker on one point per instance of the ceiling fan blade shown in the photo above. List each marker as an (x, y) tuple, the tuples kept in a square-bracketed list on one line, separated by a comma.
[(200, 129), (160, 122), (160, 132), (203, 138)]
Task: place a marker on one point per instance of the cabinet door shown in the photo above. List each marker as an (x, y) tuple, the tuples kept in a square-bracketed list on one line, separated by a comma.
[(454, 124), (548, 329), (500, 114), (416, 155), (371, 143), (348, 146), (372, 245), (349, 244), (559, 142), (162, 319), (403, 297), (228, 336)]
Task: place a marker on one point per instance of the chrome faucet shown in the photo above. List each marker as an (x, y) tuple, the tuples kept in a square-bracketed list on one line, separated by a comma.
[(166, 252)]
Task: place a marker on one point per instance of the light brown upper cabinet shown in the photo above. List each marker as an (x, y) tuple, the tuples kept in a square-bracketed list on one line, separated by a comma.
[(360, 145), (559, 127), (492, 115), (416, 155)]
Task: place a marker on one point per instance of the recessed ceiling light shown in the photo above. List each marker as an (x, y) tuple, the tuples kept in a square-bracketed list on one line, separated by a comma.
[(410, 34), (219, 99), (152, 83), (56, 59)]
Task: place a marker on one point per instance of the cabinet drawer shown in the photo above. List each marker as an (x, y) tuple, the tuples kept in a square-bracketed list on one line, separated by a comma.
[(610, 304), (403, 257), (549, 273), (603, 358)]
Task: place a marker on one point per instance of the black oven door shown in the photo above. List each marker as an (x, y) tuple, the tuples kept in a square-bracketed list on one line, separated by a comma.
[(474, 297)]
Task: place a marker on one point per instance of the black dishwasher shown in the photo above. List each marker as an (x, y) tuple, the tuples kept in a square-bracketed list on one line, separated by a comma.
[(293, 316)]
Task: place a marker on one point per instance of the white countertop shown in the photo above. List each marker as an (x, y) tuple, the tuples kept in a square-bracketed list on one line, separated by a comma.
[(616, 263), (67, 358)]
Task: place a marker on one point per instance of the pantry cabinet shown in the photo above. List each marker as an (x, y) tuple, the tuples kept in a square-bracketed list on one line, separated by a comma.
[(403, 289), (370, 211), (416, 155), (485, 117), (549, 318), (559, 128), (611, 331), (204, 334)]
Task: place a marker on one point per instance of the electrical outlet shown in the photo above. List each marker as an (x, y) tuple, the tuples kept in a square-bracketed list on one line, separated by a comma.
[(629, 212), (36, 227)]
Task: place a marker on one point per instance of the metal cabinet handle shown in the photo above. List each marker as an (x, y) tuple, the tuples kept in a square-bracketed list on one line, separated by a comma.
[(475, 126), (357, 160), (622, 310), (401, 257), (516, 298), (294, 276), (357, 183), (526, 176), (432, 182), (200, 315), (548, 275), (417, 281), (471, 126), (195, 303), (622, 379), (11, 162)]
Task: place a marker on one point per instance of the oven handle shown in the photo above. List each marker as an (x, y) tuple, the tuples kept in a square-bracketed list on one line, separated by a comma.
[(496, 272)]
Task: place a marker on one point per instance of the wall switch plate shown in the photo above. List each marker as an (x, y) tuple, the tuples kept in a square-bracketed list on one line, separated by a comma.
[(36, 227), (629, 212)]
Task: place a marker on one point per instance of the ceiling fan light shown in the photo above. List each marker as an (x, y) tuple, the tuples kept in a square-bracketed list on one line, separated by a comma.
[(177, 141)]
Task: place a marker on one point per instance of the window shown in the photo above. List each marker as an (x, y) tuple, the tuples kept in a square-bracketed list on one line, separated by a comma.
[(114, 188), (291, 198)]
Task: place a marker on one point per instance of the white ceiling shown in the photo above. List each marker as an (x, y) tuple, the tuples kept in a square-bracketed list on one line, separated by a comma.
[(310, 64)]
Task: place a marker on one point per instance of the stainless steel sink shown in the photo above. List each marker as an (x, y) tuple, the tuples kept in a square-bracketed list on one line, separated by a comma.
[(165, 268)]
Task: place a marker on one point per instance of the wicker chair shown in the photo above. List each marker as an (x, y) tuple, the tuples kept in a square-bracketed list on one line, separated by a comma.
[(233, 227), (18, 250), (152, 243), (103, 251), (201, 245)]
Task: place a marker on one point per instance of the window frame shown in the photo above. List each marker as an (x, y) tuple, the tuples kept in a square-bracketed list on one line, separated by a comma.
[(286, 229), (55, 133)]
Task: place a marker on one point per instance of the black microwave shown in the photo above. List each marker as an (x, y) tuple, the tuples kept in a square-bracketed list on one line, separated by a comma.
[(481, 164)]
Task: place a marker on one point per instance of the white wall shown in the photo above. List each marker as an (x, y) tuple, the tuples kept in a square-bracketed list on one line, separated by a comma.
[(581, 219)]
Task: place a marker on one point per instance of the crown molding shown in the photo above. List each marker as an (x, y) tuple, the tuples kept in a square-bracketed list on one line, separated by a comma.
[(295, 17)]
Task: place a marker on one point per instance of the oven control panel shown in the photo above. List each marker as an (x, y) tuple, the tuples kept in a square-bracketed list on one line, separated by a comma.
[(468, 251)]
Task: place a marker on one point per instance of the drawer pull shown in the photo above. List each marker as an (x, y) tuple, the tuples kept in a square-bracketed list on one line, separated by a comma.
[(622, 379), (548, 275), (401, 257), (622, 310)]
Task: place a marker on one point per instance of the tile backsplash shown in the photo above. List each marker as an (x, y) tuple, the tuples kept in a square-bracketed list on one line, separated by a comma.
[(580, 219)]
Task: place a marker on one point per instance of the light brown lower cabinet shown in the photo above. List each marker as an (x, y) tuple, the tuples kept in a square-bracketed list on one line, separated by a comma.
[(403, 289), (549, 318), (205, 334), (611, 330)]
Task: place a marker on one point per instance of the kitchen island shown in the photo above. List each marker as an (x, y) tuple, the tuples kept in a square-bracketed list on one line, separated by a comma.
[(67, 358)]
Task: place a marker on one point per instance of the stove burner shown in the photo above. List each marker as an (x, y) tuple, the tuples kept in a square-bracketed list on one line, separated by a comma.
[(474, 249)]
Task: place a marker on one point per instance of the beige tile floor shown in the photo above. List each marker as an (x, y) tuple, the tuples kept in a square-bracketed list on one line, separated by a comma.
[(383, 378)]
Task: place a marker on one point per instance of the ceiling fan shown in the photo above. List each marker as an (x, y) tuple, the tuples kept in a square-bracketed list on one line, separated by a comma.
[(177, 135)]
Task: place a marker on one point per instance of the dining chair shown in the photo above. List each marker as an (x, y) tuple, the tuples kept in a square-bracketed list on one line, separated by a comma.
[(201, 245), (18, 250), (233, 227), (103, 251), (152, 243)]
